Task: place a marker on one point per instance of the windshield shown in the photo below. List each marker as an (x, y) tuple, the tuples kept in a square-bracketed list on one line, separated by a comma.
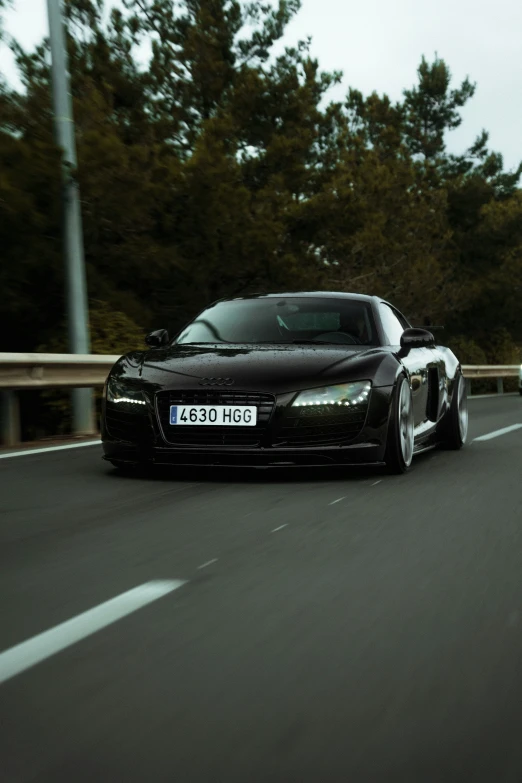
[(292, 320)]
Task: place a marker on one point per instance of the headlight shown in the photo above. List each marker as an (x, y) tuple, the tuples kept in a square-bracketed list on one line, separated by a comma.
[(344, 394), (116, 391)]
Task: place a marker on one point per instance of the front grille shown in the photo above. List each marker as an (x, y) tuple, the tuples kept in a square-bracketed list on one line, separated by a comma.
[(245, 437), (326, 426), (130, 427)]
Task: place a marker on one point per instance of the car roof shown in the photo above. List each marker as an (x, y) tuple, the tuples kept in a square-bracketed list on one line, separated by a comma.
[(304, 294)]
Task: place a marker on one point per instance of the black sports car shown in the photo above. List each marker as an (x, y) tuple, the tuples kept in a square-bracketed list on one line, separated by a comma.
[(286, 379)]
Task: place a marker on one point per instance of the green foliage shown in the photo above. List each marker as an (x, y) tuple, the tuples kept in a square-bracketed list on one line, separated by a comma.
[(112, 333), (501, 348), (467, 350), (465, 209), (431, 108)]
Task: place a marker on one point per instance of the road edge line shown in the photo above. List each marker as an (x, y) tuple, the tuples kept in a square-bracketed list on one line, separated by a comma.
[(48, 449)]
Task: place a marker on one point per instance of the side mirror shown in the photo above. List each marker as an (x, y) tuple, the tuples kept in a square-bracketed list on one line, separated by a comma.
[(416, 338), (157, 339)]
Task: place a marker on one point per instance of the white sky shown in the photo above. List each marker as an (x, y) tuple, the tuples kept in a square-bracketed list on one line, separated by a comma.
[(378, 45)]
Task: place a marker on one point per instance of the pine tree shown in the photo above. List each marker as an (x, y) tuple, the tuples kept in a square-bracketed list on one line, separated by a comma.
[(431, 108)]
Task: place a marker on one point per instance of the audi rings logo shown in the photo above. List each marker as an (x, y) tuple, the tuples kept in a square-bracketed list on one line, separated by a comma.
[(216, 382)]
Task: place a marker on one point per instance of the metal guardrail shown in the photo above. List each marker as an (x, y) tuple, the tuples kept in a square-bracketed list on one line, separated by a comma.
[(53, 370), (485, 371), (482, 370), (20, 371)]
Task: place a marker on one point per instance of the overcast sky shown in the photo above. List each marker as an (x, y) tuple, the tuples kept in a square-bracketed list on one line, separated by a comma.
[(378, 45)]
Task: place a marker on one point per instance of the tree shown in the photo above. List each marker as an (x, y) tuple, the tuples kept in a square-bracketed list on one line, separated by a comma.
[(191, 171), (199, 47), (377, 123), (30, 278), (388, 235), (478, 203), (431, 108), (492, 262)]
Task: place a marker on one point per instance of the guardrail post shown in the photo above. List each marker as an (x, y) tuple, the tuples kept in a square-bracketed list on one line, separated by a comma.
[(10, 430), (500, 385), (468, 386), (83, 420)]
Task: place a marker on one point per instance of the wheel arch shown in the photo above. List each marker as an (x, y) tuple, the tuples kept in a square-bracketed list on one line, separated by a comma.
[(393, 455), (401, 372)]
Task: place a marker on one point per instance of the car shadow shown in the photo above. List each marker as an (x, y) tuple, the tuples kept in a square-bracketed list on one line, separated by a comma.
[(250, 475), (298, 474)]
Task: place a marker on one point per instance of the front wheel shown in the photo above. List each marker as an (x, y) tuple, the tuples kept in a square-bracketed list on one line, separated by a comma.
[(399, 443), (454, 426)]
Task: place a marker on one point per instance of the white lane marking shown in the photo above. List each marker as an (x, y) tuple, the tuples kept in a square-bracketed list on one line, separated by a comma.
[(21, 657), (497, 433), (377, 482), (28, 452), (209, 562), (337, 501), (280, 527)]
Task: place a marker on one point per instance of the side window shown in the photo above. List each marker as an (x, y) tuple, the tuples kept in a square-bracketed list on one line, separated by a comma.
[(393, 328)]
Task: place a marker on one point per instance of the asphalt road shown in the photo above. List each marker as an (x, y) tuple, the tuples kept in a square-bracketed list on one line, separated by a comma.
[(344, 627)]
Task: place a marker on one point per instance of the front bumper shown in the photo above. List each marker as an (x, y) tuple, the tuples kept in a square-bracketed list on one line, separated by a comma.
[(356, 454), (143, 439)]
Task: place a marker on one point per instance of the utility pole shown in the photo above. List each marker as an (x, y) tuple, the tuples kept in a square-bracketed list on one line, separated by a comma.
[(77, 308)]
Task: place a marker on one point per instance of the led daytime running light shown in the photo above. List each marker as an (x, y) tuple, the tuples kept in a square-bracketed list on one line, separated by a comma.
[(358, 391), (117, 391)]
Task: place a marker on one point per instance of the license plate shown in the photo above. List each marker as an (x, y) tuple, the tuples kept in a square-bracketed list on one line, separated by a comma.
[(209, 415)]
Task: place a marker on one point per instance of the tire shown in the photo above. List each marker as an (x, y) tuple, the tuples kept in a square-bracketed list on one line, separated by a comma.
[(520, 392), (399, 443), (454, 425)]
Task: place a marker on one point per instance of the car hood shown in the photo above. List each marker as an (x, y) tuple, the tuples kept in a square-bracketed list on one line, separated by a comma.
[(256, 368)]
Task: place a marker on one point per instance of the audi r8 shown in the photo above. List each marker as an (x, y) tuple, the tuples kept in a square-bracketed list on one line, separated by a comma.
[(319, 378)]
